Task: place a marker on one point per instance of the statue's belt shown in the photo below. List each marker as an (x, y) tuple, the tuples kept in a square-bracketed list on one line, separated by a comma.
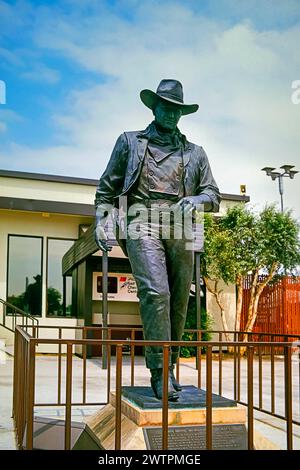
[(156, 204), (160, 207)]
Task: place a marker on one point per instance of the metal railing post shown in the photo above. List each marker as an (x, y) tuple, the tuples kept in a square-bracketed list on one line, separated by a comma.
[(132, 353), (199, 357), (118, 396), (30, 394), (288, 396), (238, 370), (59, 369), (165, 403), (234, 368), (250, 350), (104, 306), (108, 365), (68, 415), (260, 372), (220, 363), (209, 443), (84, 347), (272, 379)]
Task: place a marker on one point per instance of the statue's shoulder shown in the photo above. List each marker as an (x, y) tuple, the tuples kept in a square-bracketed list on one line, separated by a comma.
[(127, 138), (132, 137), (194, 147), (197, 150), (132, 134)]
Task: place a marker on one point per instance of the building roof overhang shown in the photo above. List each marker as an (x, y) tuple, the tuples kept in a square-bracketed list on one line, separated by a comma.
[(87, 181), (85, 245), (52, 207)]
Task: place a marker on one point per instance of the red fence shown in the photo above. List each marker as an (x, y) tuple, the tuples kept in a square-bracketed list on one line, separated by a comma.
[(278, 307)]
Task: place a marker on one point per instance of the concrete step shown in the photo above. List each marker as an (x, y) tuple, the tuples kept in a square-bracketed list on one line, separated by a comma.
[(4, 349)]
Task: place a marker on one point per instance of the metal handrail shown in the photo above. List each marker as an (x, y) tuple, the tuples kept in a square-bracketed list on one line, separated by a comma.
[(142, 342), (24, 382), (187, 330), (16, 312)]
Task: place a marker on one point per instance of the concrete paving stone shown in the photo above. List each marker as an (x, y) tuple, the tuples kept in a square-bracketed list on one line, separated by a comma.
[(7, 434)]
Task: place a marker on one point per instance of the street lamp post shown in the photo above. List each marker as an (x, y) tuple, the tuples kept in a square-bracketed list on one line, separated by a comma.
[(287, 172)]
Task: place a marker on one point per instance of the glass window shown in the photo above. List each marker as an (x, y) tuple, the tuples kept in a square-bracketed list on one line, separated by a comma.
[(24, 283), (112, 285), (59, 289)]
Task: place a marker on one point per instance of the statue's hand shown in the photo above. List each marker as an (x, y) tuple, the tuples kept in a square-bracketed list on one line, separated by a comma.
[(190, 203), (186, 205), (102, 212), (101, 238)]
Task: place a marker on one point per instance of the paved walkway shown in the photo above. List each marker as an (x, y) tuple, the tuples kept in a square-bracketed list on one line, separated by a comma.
[(46, 391), (7, 435)]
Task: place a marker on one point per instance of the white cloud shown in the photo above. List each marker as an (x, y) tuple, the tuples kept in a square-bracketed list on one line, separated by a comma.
[(15, 18), (240, 76), (41, 73), (53, 160), (8, 115), (266, 13), (11, 57), (3, 127)]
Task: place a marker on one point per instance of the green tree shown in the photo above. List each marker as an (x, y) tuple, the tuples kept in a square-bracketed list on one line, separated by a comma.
[(17, 300), (241, 227), (276, 250), (243, 243), (54, 305), (191, 324), (217, 262)]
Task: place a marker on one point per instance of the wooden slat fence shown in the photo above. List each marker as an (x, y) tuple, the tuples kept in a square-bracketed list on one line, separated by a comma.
[(278, 307)]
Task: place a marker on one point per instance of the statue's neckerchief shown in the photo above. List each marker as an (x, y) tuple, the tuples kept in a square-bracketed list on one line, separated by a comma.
[(171, 141)]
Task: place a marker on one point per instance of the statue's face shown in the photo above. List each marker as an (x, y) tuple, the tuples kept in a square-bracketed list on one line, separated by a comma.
[(167, 115)]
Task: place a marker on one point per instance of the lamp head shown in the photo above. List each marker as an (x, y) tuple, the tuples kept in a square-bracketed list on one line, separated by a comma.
[(274, 175), (292, 173), (242, 189), (287, 168), (268, 170)]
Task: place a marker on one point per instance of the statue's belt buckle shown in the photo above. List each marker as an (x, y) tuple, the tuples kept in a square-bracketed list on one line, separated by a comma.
[(161, 204)]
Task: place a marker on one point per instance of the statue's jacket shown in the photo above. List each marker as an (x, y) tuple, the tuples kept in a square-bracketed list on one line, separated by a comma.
[(124, 168)]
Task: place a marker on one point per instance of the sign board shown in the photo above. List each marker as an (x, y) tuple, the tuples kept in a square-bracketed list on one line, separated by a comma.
[(121, 287), (224, 437)]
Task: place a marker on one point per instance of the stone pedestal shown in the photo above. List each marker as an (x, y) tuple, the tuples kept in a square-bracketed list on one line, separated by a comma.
[(142, 420)]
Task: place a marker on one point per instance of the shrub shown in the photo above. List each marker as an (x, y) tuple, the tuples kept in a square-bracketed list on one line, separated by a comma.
[(191, 323)]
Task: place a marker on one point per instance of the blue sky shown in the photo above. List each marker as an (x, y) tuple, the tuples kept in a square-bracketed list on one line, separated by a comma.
[(74, 69)]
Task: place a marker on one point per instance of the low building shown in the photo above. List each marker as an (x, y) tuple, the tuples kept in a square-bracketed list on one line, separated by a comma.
[(41, 216)]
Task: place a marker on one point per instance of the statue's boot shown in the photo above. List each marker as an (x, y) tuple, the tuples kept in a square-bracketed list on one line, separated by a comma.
[(176, 385), (157, 385)]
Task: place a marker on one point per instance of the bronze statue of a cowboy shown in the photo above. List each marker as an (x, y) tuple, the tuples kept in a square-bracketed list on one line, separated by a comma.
[(159, 169)]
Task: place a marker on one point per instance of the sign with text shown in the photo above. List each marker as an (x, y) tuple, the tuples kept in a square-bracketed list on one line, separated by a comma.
[(121, 287), (224, 437)]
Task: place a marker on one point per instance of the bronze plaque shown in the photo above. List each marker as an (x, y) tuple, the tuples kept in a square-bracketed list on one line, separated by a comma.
[(224, 437)]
